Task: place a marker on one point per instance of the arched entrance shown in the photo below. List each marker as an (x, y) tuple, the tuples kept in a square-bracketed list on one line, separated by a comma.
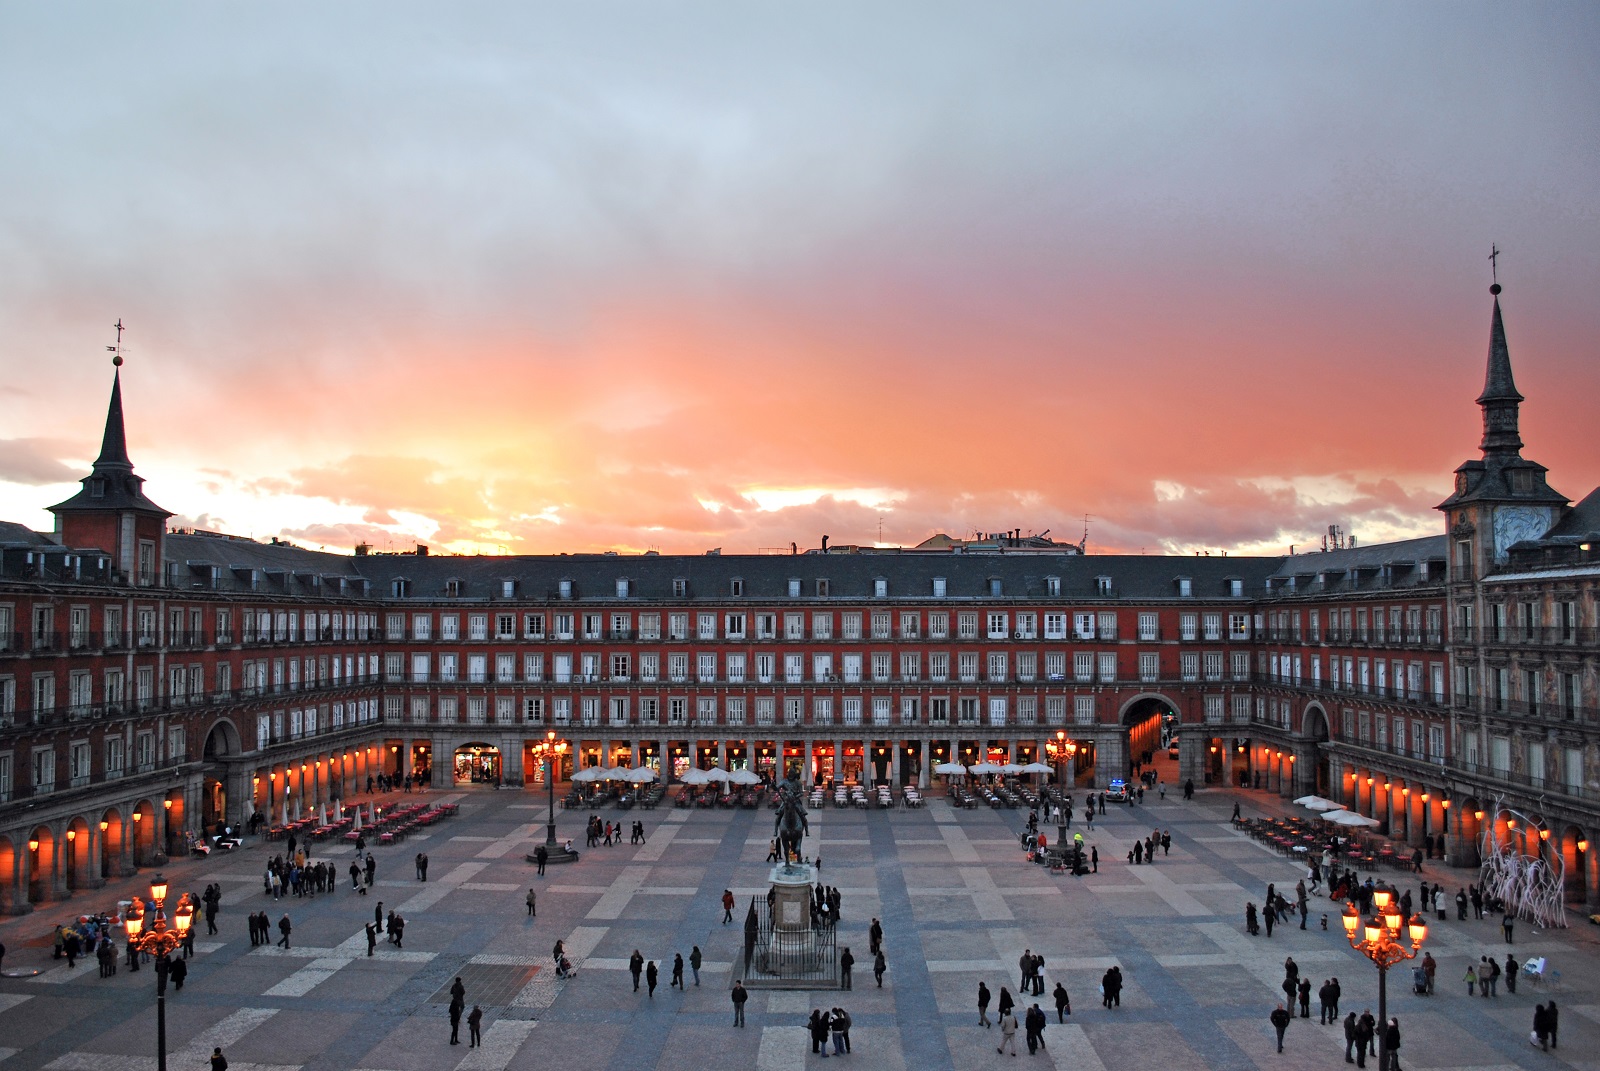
[(111, 843), (1314, 727), (1143, 719), (144, 834), (77, 865), (477, 764), (8, 870), (222, 742), (41, 863)]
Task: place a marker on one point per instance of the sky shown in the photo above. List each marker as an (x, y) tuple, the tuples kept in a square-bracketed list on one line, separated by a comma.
[(536, 278)]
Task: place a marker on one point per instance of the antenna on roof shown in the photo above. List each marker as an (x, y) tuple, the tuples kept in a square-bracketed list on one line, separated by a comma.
[(1083, 547)]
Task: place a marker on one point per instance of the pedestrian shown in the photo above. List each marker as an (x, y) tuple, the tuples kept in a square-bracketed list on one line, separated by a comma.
[(1063, 1003), (677, 971), (695, 959), (1366, 1037), (1269, 916), (739, 998), (219, 1062), (983, 1006), (1280, 1023), (1471, 979), (177, 972), (541, 855), (818, 1025), (846, 961), (1351, 1033), (1008, 1031), (844, 1025), (1325, 1004), (879, 965), (1094, 855), (1391, 1045), (397, 929), (836, 1028), (1511, 974), (419, 867), (1430, 967), (875, 936), (533, 907), (377, 916), (1553, 1017), (651, 976), (1305, 998), (1461, 905), (727, 906), (1541, 1028), (372, 939), (455, 1022), (1505, 925), (474, 1023), (284, 928), (636, 967)]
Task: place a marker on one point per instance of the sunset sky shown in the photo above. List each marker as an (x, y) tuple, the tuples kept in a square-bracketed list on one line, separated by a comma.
[(538, 278)]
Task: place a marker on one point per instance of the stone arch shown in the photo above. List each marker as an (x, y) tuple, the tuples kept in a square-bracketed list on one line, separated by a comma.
[(1315, 730), (9, 861), (1315, 722), (113, 842), (1140, 719), (42, 863), (1126, 714), (143, 839), (79, 865), (1577, 862), (222, 740)]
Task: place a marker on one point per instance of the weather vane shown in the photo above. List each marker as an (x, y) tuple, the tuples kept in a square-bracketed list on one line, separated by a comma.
[(117, 349)]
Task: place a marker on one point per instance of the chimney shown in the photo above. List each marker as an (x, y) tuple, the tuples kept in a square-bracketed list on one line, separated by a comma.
[(363, 549), (422, 550), (824, 544)]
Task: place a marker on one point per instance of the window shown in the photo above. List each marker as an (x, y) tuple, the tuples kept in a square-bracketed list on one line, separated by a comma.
[(1102, 585), (967, 625), (910, 626), (997, 626), (996, 589), (1149, 628), (880, 588), (967, 665), (822, 626), (822, 589), (1083, 626), (822, 667), (1189, 665), (939, 587), (1108, 666), (1083, 665), (997, 666), (766, 626), (706, 626), (938, 626), (533, 626), (794, 587), (1055, 626), (910, 666), (794, 626), (1149, 666), (1213, 705), (1027, 662), (938, 666), (1052, 586), (938, 710), (880, 626), (1083, 709), (680, 587), (735, 668), (734, 626), (1185, 587)]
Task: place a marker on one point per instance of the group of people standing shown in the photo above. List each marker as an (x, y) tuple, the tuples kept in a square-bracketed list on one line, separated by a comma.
[(638, 966)]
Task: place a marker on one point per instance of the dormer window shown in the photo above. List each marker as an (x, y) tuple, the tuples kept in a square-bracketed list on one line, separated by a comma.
[(995, 587), (1185, 587), (508, 589), (454, 588), (794, 587), (565, 589), (880, 588), (97, 487), (680, 587), (939, 587), (822, 589), (1236, 588), (622, 587), (1052, 586), (1102, 585), (736, 587), (399, 588)]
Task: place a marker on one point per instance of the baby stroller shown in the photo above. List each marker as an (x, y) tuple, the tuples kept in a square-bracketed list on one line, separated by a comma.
[(1419, 981), (564, 968)]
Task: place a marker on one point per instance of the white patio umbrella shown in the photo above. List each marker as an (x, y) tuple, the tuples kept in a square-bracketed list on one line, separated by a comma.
[(1351, 818), (744, 777), (1328, 816), (696, 777), (616, 773), (717, 773), (1038, 767), (986, 768), (323, 816), (1010, 768), (949, 768), (588, 774), (641, 775), (1317, 803)]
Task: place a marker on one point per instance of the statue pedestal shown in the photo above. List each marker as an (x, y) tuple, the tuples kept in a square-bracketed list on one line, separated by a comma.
[(791, 901)]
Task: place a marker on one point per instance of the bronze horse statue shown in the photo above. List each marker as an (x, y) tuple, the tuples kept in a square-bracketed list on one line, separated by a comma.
[(791, 824)]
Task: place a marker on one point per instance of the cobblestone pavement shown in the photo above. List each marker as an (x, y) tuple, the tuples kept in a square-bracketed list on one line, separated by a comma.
[(958, 904)]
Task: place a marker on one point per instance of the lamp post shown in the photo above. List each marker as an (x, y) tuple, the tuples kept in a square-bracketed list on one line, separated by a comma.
[(549, 752), (154, 936), (1379, 939)]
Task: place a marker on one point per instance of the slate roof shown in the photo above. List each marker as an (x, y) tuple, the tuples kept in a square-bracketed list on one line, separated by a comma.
[(1375, 567)]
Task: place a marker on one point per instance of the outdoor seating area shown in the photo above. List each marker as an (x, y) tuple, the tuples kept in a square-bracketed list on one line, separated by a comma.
[(1300, 837), (398, 823)]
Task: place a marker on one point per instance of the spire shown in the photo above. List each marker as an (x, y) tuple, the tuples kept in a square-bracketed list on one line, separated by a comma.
[(1499, 399), (114, 444)]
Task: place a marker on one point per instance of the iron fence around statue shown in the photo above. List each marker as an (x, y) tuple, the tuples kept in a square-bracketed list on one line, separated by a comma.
[(774, 958)]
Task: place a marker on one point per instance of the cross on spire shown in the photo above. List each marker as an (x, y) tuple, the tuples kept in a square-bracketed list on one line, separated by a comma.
[(1494, 267), (117, 349)]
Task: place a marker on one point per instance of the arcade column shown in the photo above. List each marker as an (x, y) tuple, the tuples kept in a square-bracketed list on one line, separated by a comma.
[(1192, 750), (1111, 758)]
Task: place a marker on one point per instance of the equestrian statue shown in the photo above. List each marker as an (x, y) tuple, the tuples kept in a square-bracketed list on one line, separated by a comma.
[(791, 824)]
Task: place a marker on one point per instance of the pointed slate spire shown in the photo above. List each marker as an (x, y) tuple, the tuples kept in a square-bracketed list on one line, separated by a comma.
[(1499, 399), (114, 444)]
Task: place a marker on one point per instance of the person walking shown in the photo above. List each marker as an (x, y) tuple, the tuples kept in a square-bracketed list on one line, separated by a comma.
[(695, 960), (1280, 1023), (178, 971), (983, 1006), (419, 867), (727, 906), (533, 905), (284, 928), (875, 937), (846, 961), (455, 1022), (1351, 1032), (818, 1026), (1005, 1003), (677, 971), (1553, 1019), (474, 1022), (1035, 1021), (1391, 1045), (1008, 1031), (879, 965), (541, 856), (1541, 1028), (739, 997), (372, 939), (1305, 998), (1471, 978), (1511, 974), (1063, 1003), (219, 1062), (635, 967), (651, 976), (1506, 924)]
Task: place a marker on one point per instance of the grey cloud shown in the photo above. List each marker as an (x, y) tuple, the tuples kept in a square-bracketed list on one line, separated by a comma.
[(33, 461)]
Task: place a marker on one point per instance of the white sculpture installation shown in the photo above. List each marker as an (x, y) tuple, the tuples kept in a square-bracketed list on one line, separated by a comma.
[(1531, 886)]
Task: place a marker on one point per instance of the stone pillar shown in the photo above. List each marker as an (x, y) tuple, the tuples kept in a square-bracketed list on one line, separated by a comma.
[(1192, 759), (14, 885), (722, 754), (1110, 759), (922, 772), (894, 763), (806, 771), (1590, 862)]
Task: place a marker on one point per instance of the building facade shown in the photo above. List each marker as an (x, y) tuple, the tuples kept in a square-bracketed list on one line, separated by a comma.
[(155, 684)]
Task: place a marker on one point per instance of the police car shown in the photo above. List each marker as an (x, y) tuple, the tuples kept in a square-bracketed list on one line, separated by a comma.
[(1117, 791)]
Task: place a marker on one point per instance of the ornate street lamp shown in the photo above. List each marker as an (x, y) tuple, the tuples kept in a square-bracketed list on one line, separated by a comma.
[(154, 936), (1379, 939), (549, 751)]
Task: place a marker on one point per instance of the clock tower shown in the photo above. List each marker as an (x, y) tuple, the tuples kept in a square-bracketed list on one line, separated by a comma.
[(1502, 499)]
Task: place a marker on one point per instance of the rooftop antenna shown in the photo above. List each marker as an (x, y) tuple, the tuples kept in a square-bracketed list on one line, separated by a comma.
[(116, 361), (1083, 547), (880, 528)]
